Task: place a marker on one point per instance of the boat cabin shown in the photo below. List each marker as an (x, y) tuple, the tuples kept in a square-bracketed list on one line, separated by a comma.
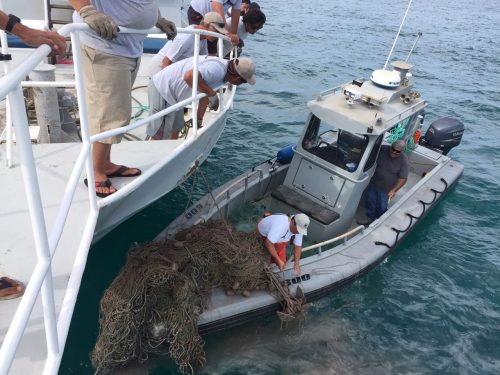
[(337, 152)]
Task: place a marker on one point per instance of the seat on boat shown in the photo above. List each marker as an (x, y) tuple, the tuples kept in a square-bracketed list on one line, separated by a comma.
[(319, 213)]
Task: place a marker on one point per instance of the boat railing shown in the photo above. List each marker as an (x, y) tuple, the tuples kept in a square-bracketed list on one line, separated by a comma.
[(40, 282), (344, 237), (246, 179)]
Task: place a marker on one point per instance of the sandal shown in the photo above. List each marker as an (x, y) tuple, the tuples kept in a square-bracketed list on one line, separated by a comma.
[(6, 283), (108, 184), (120, 172)]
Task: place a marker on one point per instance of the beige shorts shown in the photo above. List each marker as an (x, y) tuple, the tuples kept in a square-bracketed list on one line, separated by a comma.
[(108, 89)]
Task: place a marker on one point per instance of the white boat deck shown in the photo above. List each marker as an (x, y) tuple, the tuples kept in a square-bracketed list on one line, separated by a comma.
[(17, 249)]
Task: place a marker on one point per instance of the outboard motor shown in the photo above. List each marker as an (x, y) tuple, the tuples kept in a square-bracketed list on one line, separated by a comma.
[(443, 134)]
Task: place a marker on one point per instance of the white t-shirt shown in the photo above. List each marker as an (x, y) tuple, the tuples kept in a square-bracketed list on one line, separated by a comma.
[(205, 6), (241, 32), (277, 229), (178, 49), (170, 81)]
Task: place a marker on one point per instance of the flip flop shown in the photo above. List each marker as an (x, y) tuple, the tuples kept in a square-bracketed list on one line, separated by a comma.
[(120, 172), (6, 283), (106, 183)]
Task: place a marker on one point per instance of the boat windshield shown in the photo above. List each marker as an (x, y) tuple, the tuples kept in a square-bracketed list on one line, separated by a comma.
[(336, 146)]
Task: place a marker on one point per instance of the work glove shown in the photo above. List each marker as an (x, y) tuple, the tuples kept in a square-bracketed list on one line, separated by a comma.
[(102, 24), (213, 102), (168, 27)]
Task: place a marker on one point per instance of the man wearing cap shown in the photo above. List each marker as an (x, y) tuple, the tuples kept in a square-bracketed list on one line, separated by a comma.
[(178, 49), (198, 8), (175, 83), (390, 175), (277, 230)]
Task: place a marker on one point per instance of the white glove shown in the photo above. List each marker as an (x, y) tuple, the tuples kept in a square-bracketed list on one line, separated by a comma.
[(102, 24)]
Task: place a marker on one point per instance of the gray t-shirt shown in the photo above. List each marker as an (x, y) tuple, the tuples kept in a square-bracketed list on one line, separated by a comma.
[(389, 170), (170, 81), (135, 14)]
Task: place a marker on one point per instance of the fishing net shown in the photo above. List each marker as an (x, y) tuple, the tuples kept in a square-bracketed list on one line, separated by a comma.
[(153, 305)]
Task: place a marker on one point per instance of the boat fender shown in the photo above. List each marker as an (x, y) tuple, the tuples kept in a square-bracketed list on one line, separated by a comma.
[(285, 155)]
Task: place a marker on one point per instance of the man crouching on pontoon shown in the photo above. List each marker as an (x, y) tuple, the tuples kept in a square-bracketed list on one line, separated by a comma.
[(277, 230)]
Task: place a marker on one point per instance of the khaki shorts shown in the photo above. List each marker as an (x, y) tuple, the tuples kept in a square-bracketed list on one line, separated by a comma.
[(173, 122), (108, 90)]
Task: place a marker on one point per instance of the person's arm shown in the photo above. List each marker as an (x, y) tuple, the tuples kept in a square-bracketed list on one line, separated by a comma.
[(398, 186), (35, 38), (202, 85), (272, 250), (235, 20), (297, 251), (165, 62)]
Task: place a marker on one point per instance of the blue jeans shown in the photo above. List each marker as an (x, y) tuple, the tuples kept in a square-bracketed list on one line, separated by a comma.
[(376, 202)]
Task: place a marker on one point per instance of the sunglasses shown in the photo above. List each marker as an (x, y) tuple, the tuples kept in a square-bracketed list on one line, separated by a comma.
[(395, 151), (256, 27)]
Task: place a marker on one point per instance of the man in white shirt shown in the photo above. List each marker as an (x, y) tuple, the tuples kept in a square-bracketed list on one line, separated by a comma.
[(251, 22), (198, 8), (276, 231), (175, 85), (178, 49)]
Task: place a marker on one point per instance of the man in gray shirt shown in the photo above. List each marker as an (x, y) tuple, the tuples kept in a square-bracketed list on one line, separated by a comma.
[(390, 175), (110, 64)]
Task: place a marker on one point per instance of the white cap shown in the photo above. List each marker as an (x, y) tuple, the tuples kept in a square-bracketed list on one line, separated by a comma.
[(245, 69), (302, 222)]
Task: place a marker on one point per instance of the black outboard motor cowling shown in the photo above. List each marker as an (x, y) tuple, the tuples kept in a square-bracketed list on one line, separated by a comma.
[(443, 134)]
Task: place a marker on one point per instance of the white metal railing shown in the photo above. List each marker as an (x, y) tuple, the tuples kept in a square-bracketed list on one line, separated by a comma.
[(41, 279)]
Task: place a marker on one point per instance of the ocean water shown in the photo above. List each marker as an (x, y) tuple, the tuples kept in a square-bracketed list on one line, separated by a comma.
[(433, 307)]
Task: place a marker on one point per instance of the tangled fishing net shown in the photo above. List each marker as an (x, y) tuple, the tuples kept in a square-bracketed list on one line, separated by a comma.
[(153, 306)]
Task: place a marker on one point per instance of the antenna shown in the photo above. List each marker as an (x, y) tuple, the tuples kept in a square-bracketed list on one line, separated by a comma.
[(397, 35), (419, 34)]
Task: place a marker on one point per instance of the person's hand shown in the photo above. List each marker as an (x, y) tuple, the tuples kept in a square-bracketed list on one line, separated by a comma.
[(168, 27), (235, 39), (35, 38), (391, 194), (102, 24), (213, 103), (281, 264), (296, 269)]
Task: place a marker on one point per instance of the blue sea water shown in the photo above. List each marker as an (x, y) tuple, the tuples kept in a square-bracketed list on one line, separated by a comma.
[(433, 307)]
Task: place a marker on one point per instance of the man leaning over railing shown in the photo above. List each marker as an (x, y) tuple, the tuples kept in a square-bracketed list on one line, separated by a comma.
[(110, 65), (175, 84)]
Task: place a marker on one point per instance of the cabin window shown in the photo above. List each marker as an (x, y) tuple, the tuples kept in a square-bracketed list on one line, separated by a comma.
[(336, 146), (373, 155)]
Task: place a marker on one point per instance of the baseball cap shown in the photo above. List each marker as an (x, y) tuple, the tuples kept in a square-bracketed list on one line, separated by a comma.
[(399, 145), (245, 69), (302, 222), (215, 20)]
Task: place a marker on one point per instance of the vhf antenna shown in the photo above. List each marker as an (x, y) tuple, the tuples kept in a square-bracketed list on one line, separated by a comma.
[(397, 35), (419, 34)]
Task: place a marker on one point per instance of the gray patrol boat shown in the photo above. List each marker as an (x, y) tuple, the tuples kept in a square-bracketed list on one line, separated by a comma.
[(325, 176)]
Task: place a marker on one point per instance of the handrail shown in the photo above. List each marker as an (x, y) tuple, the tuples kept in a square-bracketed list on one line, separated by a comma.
[(239, 180), (335, 239), (46, 244)]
